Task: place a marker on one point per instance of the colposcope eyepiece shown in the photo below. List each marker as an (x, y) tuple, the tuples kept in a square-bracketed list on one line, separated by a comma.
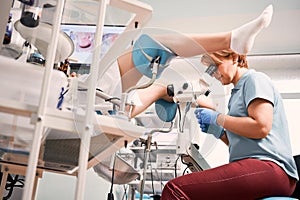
[(170, 90), (207, 92), (180, 89), (211, 69)]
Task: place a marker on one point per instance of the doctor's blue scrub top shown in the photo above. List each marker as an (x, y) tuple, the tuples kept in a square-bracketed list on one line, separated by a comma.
[(276, 146)]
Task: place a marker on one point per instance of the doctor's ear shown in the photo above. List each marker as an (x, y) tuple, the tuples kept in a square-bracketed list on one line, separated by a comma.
[(242, 61)]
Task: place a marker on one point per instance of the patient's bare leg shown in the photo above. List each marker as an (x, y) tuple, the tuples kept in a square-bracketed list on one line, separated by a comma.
[(148, 96), (129, 74), (189, 45), (240, 39)]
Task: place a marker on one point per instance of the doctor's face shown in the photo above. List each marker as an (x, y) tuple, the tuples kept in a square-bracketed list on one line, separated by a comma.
[(226, 70)]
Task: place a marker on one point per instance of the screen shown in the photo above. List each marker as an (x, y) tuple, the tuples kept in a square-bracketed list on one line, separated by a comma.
[(83, 38)]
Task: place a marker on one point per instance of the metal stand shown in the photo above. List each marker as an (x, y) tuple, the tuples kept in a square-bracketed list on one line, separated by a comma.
[(147, 155)]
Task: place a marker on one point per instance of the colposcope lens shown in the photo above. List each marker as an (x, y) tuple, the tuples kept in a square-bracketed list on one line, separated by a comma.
[(211, 69)]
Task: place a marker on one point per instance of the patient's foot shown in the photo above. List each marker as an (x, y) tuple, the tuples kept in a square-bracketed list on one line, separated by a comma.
[(242, 38)]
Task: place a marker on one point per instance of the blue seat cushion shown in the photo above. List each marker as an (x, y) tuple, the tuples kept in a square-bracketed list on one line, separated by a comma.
[(165, 110), (145, 50)]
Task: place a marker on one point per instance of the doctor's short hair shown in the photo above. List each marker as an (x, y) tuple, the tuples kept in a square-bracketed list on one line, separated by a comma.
[(215, 58)]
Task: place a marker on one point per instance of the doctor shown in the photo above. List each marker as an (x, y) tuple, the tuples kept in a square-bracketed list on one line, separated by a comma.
[(256, 131)]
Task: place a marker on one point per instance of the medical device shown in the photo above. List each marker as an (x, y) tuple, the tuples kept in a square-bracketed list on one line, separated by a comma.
[(188, 91), (184, 95)]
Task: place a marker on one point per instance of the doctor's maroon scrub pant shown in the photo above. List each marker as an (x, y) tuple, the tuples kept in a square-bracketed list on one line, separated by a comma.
[(244, 179)]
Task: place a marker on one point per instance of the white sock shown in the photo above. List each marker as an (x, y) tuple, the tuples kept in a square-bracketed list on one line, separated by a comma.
[(242, 38)]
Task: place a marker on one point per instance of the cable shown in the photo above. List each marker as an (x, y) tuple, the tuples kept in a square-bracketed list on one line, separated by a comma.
[(184, 171), (61, 98), (112, 98), (98, 89), (67, 90), (188, 106), (108, 99), (187, 165), (152, 179), (161, 180), (125, 192), (175, 165), (13, 183), (179, 113), (110, 195)]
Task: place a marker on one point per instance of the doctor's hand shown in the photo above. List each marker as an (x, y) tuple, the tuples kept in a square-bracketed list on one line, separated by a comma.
[(206, 116), (207, 120)]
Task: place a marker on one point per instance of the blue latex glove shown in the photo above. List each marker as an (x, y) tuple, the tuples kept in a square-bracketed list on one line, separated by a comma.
[(207, 121), (207, 116), (145, 49)]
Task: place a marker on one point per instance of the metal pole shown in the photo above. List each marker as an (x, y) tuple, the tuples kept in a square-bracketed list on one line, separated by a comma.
[(39, 127), (90, 111), (147, 155)]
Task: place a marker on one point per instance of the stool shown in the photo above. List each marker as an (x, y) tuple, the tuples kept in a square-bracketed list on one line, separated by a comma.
[(279, 198), (296, 193)]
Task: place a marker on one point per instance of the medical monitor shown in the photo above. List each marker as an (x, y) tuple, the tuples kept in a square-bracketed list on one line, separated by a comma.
[(83, 36)]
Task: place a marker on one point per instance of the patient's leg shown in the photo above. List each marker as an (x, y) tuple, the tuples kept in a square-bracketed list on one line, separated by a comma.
[(240, 39), (129, 74), (148, 96), (189, 45)]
